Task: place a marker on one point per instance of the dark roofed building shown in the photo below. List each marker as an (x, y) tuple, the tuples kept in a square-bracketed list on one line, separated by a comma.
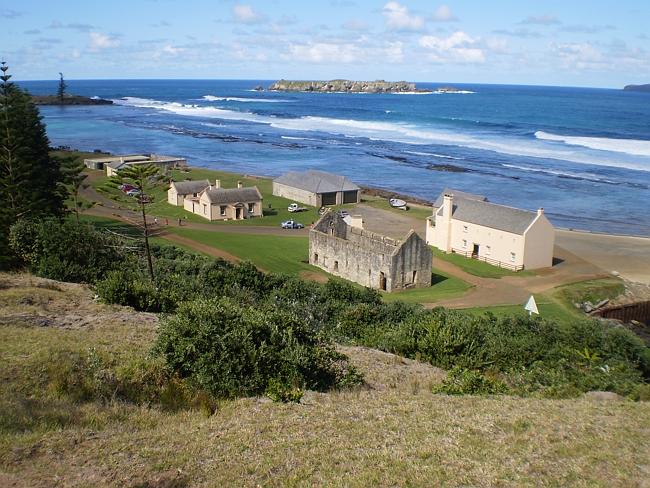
[(316, 188)]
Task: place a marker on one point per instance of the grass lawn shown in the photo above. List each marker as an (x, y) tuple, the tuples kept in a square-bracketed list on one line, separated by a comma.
[(548, 309), (443, 286), (476, 267), (275, 254), (588, 291)]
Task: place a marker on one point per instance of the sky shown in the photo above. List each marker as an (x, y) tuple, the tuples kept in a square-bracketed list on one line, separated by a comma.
[(593, 43)]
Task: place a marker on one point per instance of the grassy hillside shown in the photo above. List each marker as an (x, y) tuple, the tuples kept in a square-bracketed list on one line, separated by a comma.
[(394, 432)]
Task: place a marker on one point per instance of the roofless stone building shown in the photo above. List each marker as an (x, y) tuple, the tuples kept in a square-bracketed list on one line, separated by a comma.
[(367, 258)]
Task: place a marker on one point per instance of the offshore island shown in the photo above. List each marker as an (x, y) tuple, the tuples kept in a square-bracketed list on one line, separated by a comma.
[(347, 86)]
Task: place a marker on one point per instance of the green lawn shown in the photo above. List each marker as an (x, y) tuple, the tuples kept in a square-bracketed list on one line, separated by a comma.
[(289, 255), (443, 286), (276, 254), (548, 309), (588, 291), (476, 267)]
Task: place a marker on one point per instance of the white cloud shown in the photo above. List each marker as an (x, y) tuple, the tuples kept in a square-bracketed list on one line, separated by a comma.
[(172, 51), (459, 47), (246, 15), (99, 41), (444, 14), (399, 18), (324, 52), (578, 55)]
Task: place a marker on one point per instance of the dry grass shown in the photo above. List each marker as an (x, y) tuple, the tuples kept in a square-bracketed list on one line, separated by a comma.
[(394, 432)]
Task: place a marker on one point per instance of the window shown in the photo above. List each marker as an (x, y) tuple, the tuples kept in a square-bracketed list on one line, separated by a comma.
[(464, 243), (251, 207), (205, 209), (488, 250), (315, 257), (513, 256), (336, 265), (465, 229), (222, 210)]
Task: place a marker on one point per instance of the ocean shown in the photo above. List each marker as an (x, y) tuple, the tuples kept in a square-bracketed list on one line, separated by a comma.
[(582, 154)]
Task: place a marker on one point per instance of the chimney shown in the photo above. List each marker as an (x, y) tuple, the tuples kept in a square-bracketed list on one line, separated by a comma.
[(239, 184), (540, 211), (447, 206), (445, 228), (217, 184)]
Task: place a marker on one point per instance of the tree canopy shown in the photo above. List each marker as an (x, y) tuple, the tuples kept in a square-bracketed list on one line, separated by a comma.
[(29, 179)]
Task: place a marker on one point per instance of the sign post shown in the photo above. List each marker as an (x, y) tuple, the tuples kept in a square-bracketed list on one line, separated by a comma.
[(531, 306)]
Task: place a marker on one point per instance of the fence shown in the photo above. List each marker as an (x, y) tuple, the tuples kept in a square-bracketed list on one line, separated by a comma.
[(626, 313), (485, 259)]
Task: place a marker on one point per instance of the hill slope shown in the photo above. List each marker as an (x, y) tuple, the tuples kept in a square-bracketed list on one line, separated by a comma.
[(394, 432)]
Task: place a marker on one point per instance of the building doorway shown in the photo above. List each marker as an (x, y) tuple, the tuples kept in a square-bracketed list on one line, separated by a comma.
[(238, 212), (382, 281), (475, 251)]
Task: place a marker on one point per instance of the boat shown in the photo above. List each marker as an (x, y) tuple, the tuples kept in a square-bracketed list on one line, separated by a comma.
[(398, 203)]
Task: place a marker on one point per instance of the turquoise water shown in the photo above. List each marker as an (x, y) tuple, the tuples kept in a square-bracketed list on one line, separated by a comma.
[(582, 154)]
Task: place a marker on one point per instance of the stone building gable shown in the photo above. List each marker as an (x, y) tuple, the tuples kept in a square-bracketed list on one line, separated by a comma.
[(368, 258)]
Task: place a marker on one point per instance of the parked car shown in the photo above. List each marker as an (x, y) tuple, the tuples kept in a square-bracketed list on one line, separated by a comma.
[(295, 208), (292, 224), (126, 187), (133, 192)]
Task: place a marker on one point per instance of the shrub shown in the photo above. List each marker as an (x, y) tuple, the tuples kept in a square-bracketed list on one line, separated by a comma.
[(461, 381), (64, 250), (281, 392), (230, 350)]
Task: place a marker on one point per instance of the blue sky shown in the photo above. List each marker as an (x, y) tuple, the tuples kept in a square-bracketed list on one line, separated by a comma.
[(570, 42)]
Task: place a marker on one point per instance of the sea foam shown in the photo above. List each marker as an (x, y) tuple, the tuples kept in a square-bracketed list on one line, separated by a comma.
[(411, 134), (213, 98), (633, 147)]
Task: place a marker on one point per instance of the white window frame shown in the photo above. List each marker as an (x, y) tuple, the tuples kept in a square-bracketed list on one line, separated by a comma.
[(465, 229), (222, 210), (464, 243), (513, 256)]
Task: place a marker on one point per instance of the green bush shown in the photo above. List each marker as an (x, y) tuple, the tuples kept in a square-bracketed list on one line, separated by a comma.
[(230, 350), (461, 381), (281, 392), (64, 250)]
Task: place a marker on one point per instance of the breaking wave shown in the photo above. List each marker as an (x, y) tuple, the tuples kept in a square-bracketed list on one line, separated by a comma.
[(633, 147), (412, 134), (213, 98)]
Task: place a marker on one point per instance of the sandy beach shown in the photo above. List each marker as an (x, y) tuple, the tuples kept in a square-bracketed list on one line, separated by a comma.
[(624, 255)]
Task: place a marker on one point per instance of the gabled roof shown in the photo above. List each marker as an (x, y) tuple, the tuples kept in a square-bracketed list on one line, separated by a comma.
[(233, 195), (189, 186), (317, 181), (487, 214), (457, 193)]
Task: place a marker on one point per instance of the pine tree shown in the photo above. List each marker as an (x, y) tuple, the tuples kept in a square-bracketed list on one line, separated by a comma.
[(144, 177), (73, 176), (61, 90), (29, 179)]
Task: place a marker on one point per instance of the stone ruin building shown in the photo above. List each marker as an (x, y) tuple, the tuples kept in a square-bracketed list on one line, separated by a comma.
[(368, 258)]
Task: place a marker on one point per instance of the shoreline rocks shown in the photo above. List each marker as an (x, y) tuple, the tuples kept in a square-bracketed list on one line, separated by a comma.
[(69, 100)]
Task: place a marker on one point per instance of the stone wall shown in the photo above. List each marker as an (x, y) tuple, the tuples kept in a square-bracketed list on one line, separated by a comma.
[(367, 258)]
